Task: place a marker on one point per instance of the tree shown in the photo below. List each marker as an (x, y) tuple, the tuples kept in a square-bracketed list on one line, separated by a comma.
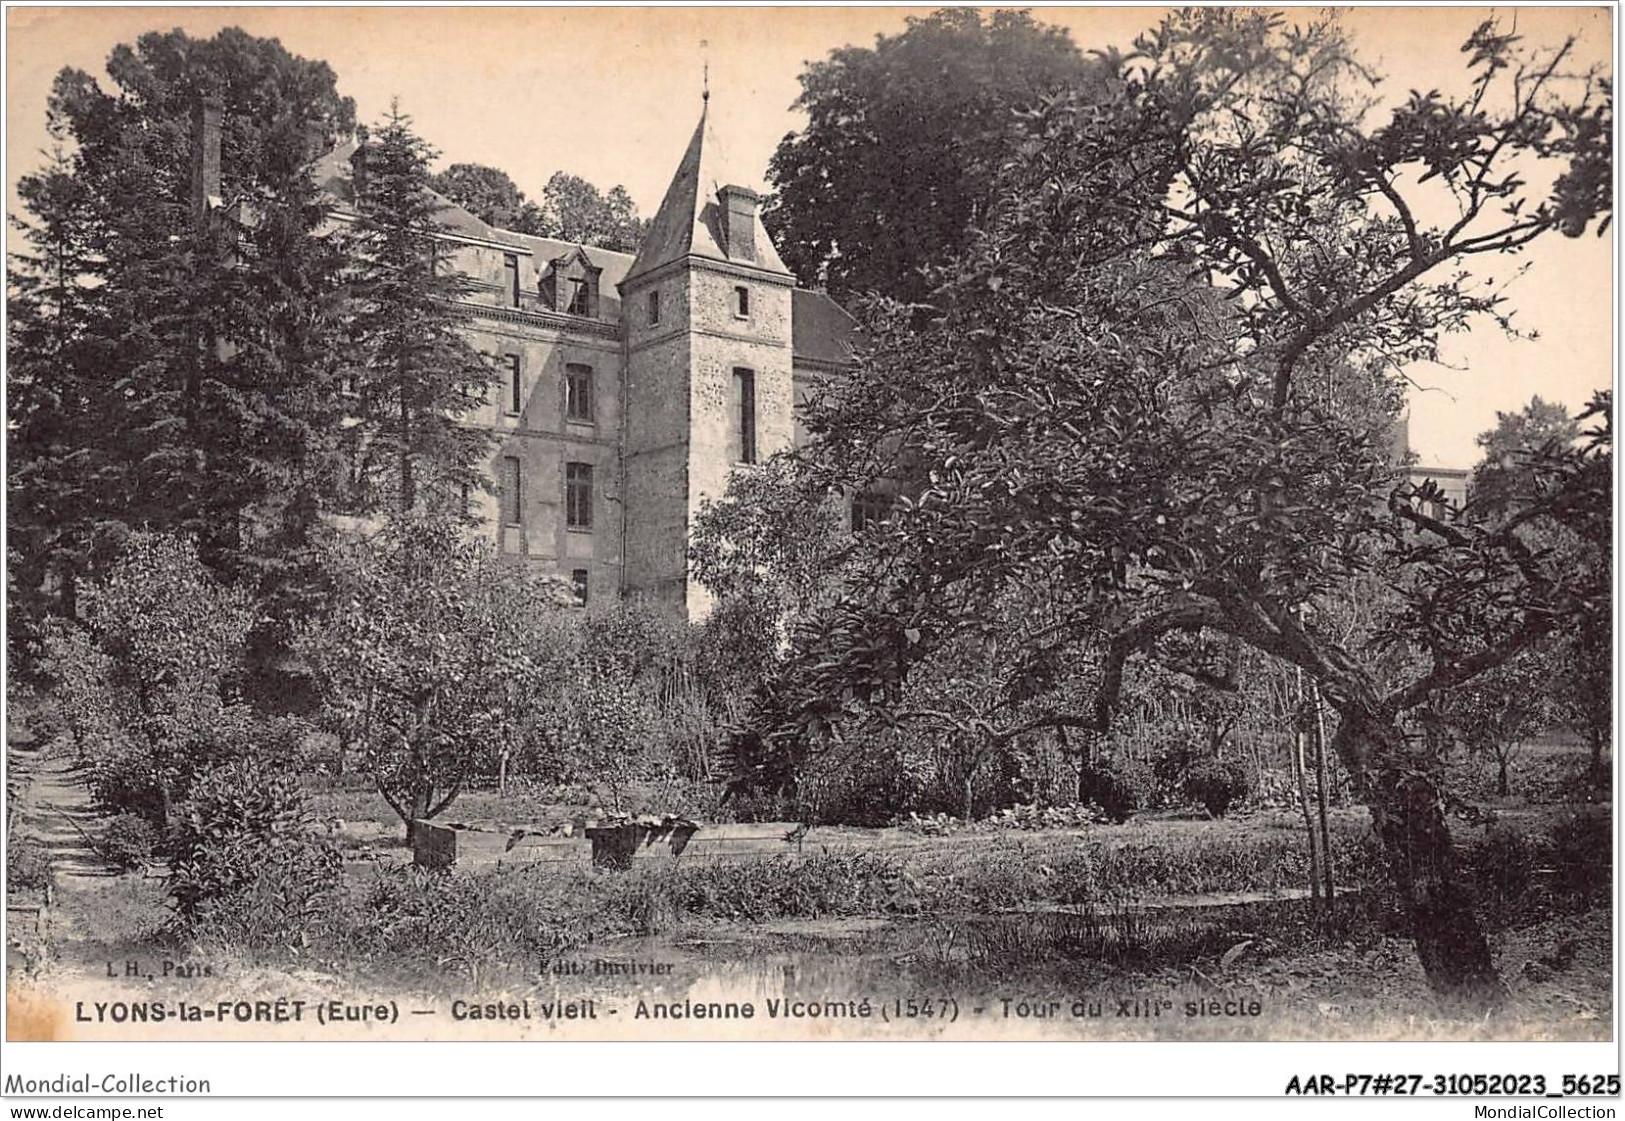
[(580, 212), (171, 362), (50, 406), (492, 197), (431, 658), (1503, 477), (1517, 453), (171, 640), (1496, 712), (415, 375), (769, 549), (903, 143), (1112, 390)]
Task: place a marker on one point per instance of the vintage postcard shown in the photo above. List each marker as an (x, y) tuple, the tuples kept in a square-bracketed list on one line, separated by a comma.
[(811, 524)]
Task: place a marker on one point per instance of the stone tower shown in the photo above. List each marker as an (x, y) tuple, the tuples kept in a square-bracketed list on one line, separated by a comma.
[(708, 389)]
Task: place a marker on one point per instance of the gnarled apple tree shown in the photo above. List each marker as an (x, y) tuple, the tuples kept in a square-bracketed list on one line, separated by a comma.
[(1110, 390)]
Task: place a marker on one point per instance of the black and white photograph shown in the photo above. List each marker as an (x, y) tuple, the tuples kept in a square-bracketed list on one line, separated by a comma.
[(814, 523)]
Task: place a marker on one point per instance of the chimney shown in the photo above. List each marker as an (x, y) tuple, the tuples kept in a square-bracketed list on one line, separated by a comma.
[(739, 222), (206, 154)]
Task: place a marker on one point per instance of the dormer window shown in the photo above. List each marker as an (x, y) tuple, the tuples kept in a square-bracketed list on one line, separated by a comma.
[(741, 302), (571, 285), (654, 307)]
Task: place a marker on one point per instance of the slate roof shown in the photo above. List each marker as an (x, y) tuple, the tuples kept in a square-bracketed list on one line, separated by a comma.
[(687, 223), (820, 329), (332, 175)]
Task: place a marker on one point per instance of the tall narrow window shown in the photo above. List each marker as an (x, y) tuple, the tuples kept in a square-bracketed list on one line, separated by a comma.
[(513, 390), (578, 581), (654, 307), (578, 495), (512, 510), (578, 402), (580, 296), (744, 393), (510, 269), (741, 302)]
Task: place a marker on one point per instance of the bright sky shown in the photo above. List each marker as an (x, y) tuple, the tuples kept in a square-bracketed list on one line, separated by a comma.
[(612, 94)]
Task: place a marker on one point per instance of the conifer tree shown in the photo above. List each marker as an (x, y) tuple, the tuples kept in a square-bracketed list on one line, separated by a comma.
[(415, 376), (48, 397), (174, 356)]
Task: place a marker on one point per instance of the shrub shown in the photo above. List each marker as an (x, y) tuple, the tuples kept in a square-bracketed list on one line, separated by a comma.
[(1504, 866), (28, 865), (128, 841), (122, 779), (1582, 850), (247, 863), (1120, 787), (1217, 785), (1174, 757), (125, 777)]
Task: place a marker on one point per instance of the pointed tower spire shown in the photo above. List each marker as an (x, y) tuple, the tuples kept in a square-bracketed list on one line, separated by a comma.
[(695, 218)]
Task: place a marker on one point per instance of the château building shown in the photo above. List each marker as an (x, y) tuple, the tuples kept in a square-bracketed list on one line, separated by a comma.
[(632, 385)]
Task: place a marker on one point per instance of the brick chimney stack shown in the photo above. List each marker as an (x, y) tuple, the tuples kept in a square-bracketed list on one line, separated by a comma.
[(739, 221), (206, 154)]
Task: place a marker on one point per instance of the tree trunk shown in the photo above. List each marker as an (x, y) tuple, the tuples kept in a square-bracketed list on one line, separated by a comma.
[(1321, 798), (1502, 787), (1407, 812), (1300, 779), (420, 809), (166, 804), (70, 592)]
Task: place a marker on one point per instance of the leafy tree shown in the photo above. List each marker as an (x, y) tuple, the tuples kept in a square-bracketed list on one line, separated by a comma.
[(581, 213), (171, 365), (769, 549), (1512, 478), (1497, 712), (415, 374), (492, 197), (432, 657), (903, 144), (170, 640), (1113, 391), (1504, 475)]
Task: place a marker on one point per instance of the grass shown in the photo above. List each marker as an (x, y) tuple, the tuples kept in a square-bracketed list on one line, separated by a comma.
[(993, 898), (520, 917)]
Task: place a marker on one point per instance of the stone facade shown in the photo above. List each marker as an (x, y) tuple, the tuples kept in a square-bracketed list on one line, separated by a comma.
[(643, 381)]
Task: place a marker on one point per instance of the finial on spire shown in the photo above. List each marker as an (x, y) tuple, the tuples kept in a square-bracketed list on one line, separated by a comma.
[(705, 61)]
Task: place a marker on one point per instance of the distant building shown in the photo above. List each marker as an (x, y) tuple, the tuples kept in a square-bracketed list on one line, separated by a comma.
[(633, 386), (1452, 482)]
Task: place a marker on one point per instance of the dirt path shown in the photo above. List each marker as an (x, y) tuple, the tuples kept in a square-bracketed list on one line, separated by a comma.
[(54, 808)]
